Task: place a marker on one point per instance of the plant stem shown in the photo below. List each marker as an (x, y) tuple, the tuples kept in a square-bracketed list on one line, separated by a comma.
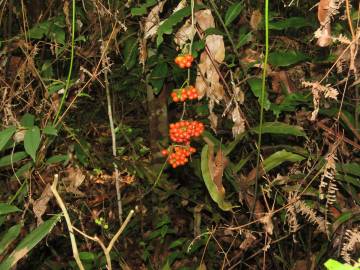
[(263, 89), (67, 85)]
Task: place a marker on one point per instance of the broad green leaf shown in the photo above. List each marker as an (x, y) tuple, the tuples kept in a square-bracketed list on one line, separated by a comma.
[(27, 120), (57, 159), (50, 130), (29, 242), (292, 22), (47, 70), (213, 31), (130, 52), (215, 194), (8, 208), (167, 26), (32, 141), (244, 38), (280, 157), (341, 219), (12, 158), (255, 86), (335, 265), (9, 237), (158, 76), (280, 128), (233, 11), (284, 59), (58, 35), (5, 136)]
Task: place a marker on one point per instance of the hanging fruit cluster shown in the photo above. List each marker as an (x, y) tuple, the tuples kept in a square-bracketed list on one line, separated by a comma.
[(183, 131), (183, 94), (184, 61)]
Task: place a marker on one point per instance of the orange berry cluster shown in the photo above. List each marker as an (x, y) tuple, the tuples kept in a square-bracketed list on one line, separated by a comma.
[(182, 131), (184, 61), (179, 155), (183, 94)]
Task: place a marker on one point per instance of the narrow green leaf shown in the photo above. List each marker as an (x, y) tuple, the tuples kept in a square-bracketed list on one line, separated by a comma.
[(130, 52), (5, 136), (255, 86), (284, 59), (280, 157), (9, 237), (292, 22), (57, 159), (32, 141), (29, 242), (217, 196), (280, 128), (233, 11), (8, 208), (12, 158)]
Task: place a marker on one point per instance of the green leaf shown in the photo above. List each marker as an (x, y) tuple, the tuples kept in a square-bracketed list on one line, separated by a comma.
[(215, 194), (29, 242), (167, 26), (256, 86), (280, 157), (130, 52), (87, 256), (244, 38), (139, 11), (213, 31), (335, 265), (233, 11), (23, 169), (9, 237), (56, 86), (280, 128), (158, 76), (32, 141), (12, 158), (292, 22), (284, 59), (290, 103), (8, 208), (351, 168), (50, 130), (58, 35), (57, 159), (5, 136), (27, 120)]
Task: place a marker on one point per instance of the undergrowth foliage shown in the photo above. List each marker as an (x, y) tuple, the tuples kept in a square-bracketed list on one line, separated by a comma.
[(179, 134)]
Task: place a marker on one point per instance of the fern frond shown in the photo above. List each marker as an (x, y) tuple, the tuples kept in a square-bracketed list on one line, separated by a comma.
[(352, 236)]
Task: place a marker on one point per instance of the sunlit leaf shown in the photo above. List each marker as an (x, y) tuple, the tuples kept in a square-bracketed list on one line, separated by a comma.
[(335, 265)]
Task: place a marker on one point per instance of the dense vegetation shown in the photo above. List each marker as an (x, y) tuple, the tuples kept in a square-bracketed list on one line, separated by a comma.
[(179, 134)]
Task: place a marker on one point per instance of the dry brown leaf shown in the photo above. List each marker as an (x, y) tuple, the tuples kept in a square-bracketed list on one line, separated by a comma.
[(39, 206), (152, 21), (239, 122), (142, 51), (184, 34), (255, 19), (73, 181), (281, 77), (219, 166)]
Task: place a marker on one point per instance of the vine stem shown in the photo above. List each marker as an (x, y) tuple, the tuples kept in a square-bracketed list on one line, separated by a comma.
[(263, 88), (67, 85)]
